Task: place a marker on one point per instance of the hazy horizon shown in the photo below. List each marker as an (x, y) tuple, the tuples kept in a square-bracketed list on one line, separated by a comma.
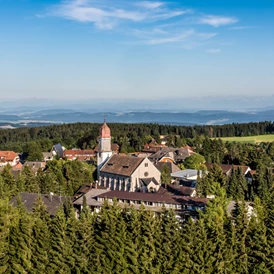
[(183, 104)]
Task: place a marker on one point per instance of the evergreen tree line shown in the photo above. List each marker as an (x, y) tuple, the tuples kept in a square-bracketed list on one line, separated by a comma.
[(124, 240), (217, 151), (237, 185), (60, 177), (130, 137)]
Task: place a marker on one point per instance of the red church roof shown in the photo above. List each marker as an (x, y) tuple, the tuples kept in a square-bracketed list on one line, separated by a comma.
[(104, 131)]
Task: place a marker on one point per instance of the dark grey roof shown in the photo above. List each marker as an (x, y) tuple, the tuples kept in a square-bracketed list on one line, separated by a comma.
[(146, 181), (59, 150), (52, 203), (179, 154)]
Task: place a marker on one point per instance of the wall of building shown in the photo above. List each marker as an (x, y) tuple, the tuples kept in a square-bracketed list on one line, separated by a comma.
[(145, 170)]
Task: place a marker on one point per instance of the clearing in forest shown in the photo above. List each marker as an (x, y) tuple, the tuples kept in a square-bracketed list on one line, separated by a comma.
[(250, 139)]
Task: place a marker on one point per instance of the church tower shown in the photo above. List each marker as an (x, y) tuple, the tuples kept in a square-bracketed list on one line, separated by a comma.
[(104, 146)]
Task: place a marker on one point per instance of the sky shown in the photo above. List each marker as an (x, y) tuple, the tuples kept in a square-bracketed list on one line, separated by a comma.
[(103, 49)]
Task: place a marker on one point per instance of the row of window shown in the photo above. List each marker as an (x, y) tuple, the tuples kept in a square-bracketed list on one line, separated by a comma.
[(155, 204)]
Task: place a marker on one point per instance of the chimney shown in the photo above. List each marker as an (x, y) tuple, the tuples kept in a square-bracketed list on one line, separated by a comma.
[(50, 196)]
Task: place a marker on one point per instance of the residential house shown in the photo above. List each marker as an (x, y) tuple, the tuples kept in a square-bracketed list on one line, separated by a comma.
[(9, 158), (169, 154), (58, 150), (35, 166), (227, 169), (78, 154), (47, 156)]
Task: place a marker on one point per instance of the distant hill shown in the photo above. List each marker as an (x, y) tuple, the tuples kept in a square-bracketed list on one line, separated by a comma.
[(203, 117)]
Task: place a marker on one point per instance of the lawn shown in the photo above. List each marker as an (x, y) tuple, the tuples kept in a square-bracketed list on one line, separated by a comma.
[(250, 139)]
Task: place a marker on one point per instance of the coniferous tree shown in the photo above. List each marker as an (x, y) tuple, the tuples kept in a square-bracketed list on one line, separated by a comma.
[(20, 241), (256, 240), (240, 224), (41, 237), (60, 248)]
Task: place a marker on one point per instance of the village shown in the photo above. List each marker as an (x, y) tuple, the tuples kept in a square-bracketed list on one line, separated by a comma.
[(151, 178)]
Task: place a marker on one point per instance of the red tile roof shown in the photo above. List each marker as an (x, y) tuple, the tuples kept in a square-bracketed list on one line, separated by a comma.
[(7, 156)]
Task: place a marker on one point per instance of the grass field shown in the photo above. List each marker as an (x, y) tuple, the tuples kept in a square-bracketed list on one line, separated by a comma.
[(250, 139)]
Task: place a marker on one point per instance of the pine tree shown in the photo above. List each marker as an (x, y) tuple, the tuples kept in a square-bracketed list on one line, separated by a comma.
[(256, 240), (169, 243), (20, 241), (41, 237), (240, 222), (60, 248)]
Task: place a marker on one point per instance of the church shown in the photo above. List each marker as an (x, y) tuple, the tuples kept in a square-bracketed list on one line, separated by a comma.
[(123, 172)]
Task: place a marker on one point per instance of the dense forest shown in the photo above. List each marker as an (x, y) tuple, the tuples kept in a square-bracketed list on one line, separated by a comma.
[(132, 137), (128, 136), (124, 240), (117, 240), (60, 177)]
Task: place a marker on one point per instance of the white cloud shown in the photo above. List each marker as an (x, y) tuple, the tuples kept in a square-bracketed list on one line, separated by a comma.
[(217, 21), (170, 39), (149, 5), (213, 51), (206, 35), (106, 17), (242, 27)]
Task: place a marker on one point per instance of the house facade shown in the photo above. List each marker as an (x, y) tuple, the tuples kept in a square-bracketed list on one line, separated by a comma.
[(129, 173)]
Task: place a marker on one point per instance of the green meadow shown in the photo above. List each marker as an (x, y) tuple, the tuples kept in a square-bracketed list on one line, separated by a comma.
[(250, 139)]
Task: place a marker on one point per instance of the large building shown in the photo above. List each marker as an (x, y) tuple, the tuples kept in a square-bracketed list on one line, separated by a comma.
[(123, 172), (129, 173)]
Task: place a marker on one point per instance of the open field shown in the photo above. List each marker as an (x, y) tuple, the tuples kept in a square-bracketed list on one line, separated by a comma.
[(250, 139)]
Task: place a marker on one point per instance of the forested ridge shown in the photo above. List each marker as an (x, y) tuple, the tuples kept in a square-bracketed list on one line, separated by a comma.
[(132, 136)]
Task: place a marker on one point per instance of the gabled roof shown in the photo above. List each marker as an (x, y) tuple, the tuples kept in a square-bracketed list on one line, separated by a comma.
[(177, 154), (146, 181), (181, 190), (8, 156), (172, 167), (227, 168), (121, 165), (59, 150), (51, 202)]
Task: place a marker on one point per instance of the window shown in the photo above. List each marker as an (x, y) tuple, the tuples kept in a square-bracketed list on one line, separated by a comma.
[(146, 174), (146, 164)]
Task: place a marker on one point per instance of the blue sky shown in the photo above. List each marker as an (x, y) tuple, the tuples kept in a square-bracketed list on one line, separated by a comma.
[(90, 49)]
